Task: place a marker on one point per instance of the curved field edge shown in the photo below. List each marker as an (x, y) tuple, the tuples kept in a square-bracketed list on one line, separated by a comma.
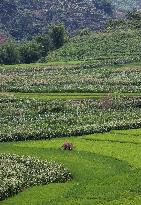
[(106, 169), (24, 119), (21, 172)]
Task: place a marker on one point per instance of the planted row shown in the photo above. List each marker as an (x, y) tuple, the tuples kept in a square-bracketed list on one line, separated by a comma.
[(19, 172), (85, 78), (24, 119)]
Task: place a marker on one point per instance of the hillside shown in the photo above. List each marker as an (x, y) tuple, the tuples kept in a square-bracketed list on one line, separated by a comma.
[(122, 45), (2, 38), (70, 105), (84, 100), (126, 5), (22, 18)]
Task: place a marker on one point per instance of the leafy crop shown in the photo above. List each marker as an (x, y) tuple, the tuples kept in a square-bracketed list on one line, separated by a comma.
[(23, 119), (88, 77), (119, 44), (19, 172)]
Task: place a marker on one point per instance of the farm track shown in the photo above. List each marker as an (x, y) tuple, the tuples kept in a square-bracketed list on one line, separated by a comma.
[(51, 96)]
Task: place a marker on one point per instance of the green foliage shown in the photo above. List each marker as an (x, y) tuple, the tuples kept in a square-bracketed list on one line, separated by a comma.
[(20, 172), (83, 32), (30, 52), (33, 50), (91, 76), (132, 20), (119, 44), (45, 42), (57, 35), (27, 52), (27, 119), (106, 170), (9, 53)]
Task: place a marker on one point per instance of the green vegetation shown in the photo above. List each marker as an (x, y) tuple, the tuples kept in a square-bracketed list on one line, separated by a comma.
[(30, 52), (41, 65), (132, 21), (119, 44), (19, 173), (24, 18), (12, 52), (71, 78), (106, 169), (48, 110), (23, 119), (58, 36), (9, 54)]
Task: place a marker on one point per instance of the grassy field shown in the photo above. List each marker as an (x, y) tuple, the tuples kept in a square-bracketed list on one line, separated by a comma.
[(31, 65), (65, 96), (106, 170), (61, 96)]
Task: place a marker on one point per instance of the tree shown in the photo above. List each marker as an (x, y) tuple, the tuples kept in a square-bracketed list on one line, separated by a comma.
[(30, 52), (9, 53), (57, 35), (133, 15), (84, 32), (45, 42)]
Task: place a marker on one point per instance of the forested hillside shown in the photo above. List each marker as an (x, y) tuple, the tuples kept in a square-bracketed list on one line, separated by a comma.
[(128, 4), (24, 18)]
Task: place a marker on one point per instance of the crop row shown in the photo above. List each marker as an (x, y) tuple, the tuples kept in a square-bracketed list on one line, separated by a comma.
[(115, 44), (23, 119), (20, 172), (85, 78)]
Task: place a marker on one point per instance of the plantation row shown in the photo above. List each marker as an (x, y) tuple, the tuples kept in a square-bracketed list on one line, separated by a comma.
[(83, 78), (19, 172), (119, 44), (23, 119)]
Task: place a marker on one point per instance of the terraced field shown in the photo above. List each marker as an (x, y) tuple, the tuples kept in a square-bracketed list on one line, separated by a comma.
[(106, 169), (86, 78), (43, 106), (26, 119), (119, 45)]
